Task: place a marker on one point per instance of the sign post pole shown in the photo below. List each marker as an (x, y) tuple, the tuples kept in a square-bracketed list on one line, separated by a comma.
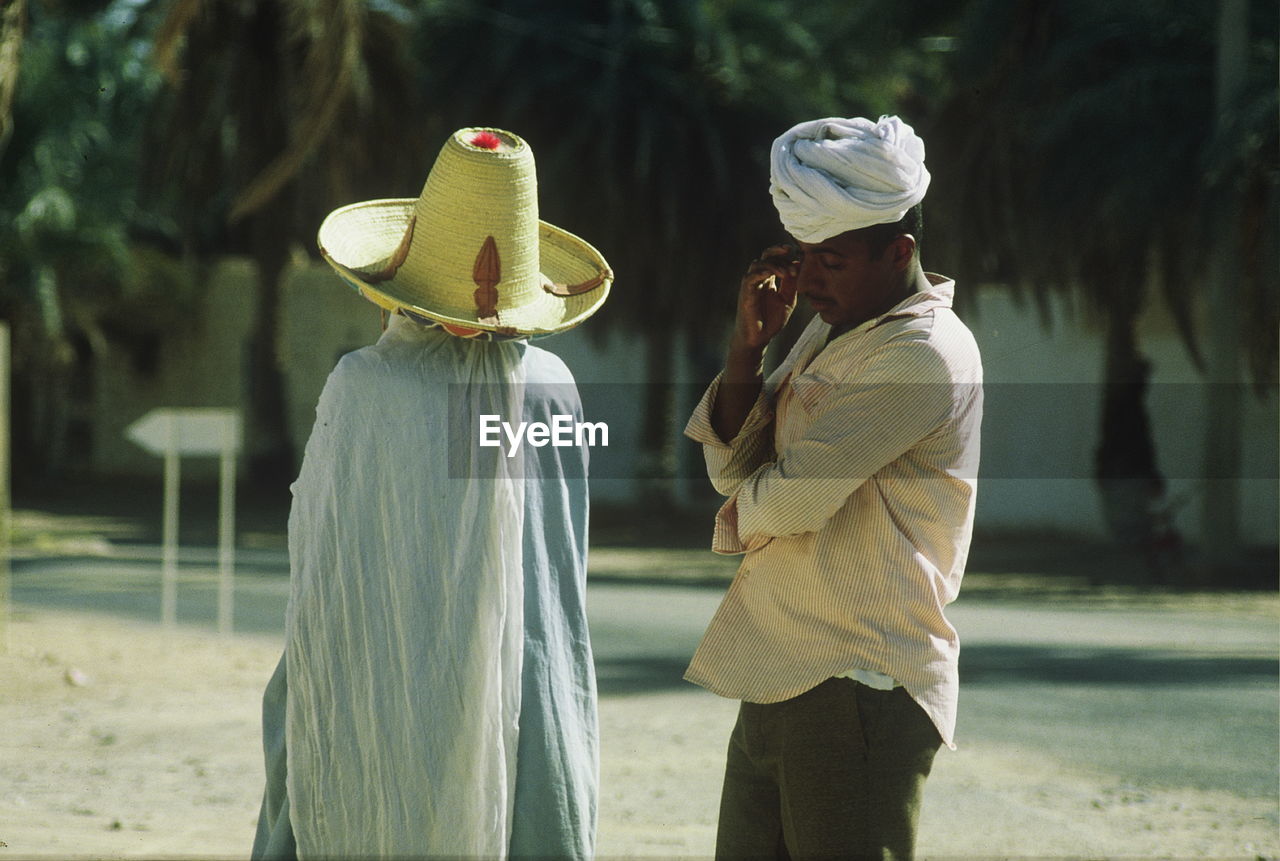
[(170, 433), (169, 542), (227, 530)]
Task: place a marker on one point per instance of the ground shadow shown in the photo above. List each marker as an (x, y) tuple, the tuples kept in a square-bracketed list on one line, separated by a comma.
[(1005, 665), (639, 675), (1018, 664)]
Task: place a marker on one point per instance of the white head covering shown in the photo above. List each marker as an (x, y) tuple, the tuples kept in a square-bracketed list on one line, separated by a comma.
[(832, 175)]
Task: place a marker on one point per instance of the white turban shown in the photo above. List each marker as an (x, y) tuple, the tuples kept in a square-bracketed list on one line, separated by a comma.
[(832, 175)]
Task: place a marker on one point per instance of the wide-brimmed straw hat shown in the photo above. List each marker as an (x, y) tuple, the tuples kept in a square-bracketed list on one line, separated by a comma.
[(470, 253)]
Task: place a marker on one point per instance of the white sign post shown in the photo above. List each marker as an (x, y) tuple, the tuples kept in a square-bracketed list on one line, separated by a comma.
[(170, 433)]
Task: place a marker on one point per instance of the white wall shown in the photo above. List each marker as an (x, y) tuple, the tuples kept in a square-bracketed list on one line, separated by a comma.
[(611, 377), (1043, 414), (1039, 433)]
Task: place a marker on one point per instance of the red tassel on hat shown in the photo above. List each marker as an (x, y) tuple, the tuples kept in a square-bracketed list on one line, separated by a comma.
[(486, 140)]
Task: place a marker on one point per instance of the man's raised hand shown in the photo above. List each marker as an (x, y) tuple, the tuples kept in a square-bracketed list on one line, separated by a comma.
[(766, 297)]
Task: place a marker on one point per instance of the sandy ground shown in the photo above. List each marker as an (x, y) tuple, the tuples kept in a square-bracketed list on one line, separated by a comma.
[(121, 739)]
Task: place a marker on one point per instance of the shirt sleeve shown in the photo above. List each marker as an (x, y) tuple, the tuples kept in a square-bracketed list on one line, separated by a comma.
[(730, 463), (858, 427)]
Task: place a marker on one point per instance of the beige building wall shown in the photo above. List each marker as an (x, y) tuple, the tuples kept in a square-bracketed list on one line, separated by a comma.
[(322, 319), (203, 363)]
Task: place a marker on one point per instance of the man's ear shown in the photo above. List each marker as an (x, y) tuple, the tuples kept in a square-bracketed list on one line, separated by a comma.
[(903, 251)]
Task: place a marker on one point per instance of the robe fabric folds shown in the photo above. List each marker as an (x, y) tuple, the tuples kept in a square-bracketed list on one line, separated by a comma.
[(437, 688)]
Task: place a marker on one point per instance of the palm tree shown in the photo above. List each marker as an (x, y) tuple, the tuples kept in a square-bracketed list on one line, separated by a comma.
[(652, 122), (1079, 155), (73, 282), (273, 113)]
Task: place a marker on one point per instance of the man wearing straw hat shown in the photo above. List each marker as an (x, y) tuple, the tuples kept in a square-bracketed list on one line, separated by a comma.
[(851, 475), (436, 696)]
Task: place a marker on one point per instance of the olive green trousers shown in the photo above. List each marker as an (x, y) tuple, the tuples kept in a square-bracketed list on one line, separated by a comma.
[(837, 772)]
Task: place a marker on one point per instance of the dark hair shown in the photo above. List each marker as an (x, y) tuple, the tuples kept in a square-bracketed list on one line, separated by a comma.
[(879, 236)]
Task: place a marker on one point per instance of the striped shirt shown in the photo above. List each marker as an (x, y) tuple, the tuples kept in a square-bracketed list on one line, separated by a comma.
[(851, 491)]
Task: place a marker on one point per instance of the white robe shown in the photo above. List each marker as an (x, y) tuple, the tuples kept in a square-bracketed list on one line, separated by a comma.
[(405, 623)]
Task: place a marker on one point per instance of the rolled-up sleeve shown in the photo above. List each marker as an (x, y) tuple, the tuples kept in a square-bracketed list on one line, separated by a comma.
[(730, 463), (857, 428)]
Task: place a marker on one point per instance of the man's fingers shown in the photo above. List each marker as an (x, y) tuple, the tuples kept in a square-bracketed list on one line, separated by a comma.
[(781, 255), (768, 269), (768, 290), (758, 276)]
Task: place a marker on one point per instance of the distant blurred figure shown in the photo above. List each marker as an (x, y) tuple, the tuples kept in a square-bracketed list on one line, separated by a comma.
[(437, 695), (851, 474), (1134, 505)]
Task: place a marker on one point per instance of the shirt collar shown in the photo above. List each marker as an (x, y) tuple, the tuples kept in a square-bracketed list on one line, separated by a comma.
[(939, 295)]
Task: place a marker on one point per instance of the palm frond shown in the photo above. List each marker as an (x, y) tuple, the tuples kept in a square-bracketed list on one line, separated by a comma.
[(329, 70), (171, 38)]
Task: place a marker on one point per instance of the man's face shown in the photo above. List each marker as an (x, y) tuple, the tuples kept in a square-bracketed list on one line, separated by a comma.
[(845, 283)]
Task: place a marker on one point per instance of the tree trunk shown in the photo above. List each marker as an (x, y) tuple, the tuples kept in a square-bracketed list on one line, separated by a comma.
[(269, 229), (657, 452), (271, 460), (1220, 516), (50, 392), (13, 30), (1125, 468)]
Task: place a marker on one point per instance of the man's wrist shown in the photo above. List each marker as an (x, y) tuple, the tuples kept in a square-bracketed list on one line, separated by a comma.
[(744, 364)]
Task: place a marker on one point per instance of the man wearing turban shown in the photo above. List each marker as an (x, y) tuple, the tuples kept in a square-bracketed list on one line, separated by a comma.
[(851, 477)]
